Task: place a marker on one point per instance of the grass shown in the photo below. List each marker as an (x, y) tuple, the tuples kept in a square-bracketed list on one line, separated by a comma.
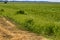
[(40, 18)]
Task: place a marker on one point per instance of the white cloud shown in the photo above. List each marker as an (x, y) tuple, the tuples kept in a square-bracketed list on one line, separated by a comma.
[(54, 0)]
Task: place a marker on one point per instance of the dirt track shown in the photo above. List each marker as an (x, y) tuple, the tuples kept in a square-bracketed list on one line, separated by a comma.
[(9, 32)]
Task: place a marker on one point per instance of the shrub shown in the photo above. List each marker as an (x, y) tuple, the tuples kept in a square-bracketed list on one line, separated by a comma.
[(21, 12), (5, 2)]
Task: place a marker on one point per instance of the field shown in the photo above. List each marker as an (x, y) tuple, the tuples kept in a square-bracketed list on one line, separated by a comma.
[(40, 18)]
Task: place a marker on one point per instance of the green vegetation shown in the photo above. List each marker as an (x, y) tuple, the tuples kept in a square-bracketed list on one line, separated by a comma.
[(41, 18)]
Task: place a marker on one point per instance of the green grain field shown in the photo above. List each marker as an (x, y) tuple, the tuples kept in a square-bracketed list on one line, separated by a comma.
[(40, 18)]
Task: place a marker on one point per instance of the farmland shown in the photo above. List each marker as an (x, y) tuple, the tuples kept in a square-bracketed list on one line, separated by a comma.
[(40, 18)]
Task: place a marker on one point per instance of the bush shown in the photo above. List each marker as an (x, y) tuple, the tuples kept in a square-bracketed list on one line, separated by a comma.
[(21, 12), (5, 2)]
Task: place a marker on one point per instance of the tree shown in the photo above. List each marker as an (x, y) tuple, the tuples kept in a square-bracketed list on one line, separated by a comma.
[(5, 1)]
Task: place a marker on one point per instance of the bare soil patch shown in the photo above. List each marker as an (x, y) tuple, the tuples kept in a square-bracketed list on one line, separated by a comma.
[(9, 32)]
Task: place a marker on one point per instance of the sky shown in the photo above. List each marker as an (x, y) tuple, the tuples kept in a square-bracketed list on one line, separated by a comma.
[(29, 0), (54, 0), (39, 0)]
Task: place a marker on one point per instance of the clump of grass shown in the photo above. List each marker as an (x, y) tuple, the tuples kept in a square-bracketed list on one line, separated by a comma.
[(21, 12), (50, 29), (29, 24), (1, 11)]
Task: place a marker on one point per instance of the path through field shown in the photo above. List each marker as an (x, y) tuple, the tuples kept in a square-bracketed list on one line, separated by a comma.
[(9, 32)]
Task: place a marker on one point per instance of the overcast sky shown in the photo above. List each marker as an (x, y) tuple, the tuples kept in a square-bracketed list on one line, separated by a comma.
[(39, 0)]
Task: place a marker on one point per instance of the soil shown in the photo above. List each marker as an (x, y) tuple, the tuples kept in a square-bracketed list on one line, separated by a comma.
[(8, 31)]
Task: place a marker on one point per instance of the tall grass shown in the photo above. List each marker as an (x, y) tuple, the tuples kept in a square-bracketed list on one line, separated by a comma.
[(41, 18)]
